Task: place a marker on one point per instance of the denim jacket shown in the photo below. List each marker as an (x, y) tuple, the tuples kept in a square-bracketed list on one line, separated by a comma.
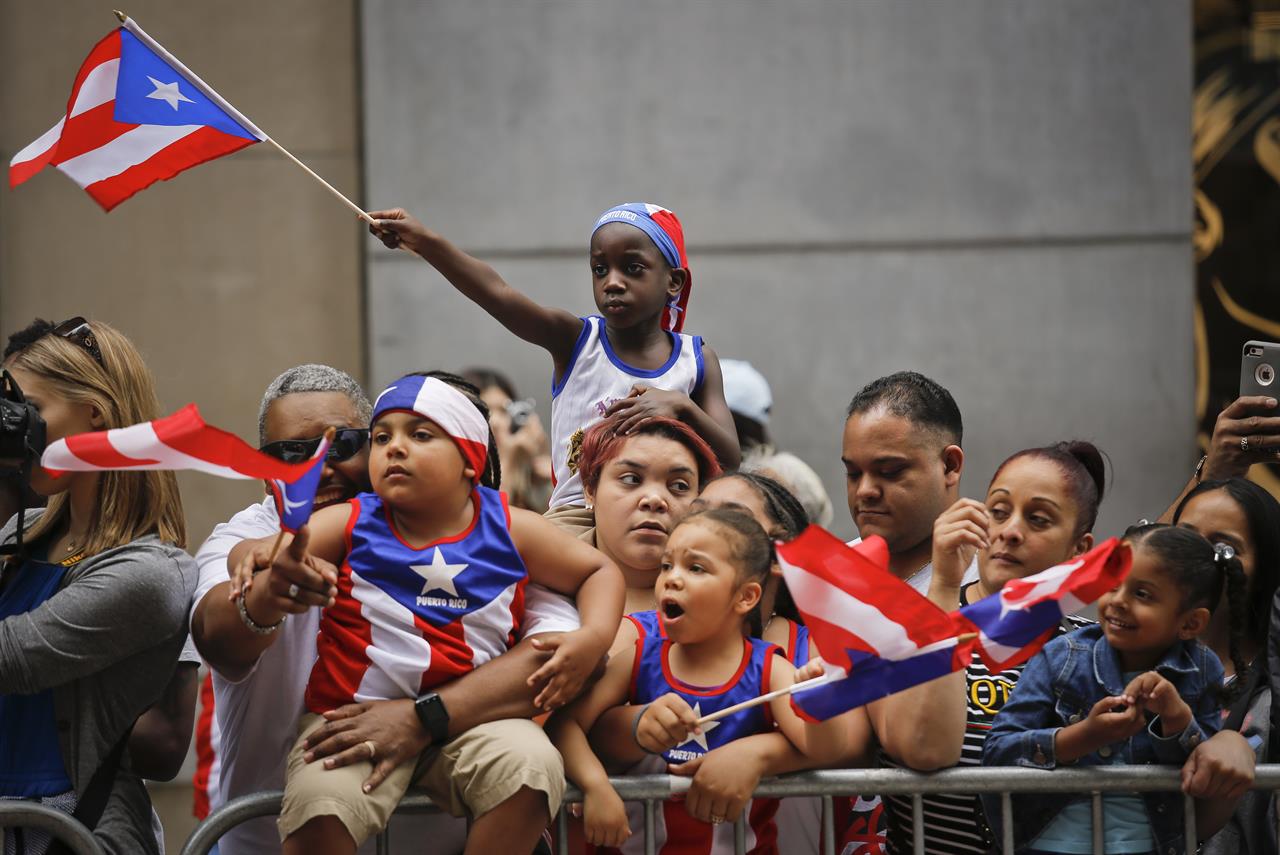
[(1059, 687)]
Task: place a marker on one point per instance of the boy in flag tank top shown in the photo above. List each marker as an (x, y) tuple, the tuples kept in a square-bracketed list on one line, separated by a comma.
[(632, 358), (432, 568), (710, 583)]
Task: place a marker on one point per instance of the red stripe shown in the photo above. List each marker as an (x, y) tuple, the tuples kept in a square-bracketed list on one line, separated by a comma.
[(451, 656), (90, 130), (186, 431), (95, 448), (344, 638), (192, 150), (204, 749), (20, 172)]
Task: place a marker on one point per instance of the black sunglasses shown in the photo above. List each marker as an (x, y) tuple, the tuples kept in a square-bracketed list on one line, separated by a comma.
[(347, 443), (77, 330)]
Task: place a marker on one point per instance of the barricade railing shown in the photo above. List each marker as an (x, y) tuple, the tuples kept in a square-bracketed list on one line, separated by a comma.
[(22, 814), (653, 789)]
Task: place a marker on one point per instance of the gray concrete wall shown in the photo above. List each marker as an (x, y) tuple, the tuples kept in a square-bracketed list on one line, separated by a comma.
[(995, 193)]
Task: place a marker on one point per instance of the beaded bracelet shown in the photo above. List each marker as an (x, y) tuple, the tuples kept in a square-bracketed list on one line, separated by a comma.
[(253, 625)]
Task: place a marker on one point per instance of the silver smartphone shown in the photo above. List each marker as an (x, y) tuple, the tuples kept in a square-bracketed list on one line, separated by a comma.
[(1259, 363)]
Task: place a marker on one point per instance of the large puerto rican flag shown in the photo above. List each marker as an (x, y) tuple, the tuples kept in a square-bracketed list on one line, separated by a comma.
[(135, 116), (867, 623), (1015, 623)]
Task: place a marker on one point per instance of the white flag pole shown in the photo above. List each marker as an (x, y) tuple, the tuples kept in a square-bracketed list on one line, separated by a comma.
[(797, 687), (208, 91)]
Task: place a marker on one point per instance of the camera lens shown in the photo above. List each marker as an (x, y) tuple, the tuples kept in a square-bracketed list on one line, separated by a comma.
[(1264, 374)]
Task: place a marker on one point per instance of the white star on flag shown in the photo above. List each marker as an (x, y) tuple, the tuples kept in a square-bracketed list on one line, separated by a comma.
[(439, 575), (167, 92), (700, 738)]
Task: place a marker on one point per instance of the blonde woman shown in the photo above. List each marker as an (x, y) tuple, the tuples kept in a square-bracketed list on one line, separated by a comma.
[(93, 604)]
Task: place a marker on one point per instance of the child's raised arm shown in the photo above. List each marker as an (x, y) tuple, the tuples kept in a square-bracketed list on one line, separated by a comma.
[(552, 329), (561, 562), (604, 815)]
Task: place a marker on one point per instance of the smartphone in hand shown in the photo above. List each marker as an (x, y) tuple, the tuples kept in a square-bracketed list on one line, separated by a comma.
[(1259, 363)]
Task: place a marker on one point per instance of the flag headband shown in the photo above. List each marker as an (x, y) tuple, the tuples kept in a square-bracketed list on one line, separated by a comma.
[(453, 411), (664, 229)]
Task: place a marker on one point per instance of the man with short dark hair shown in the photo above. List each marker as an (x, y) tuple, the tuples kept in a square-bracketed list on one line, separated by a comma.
[(903, 461)]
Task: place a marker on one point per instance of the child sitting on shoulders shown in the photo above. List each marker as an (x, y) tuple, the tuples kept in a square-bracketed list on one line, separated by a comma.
[(632, 358), (1135, 689), (433, 567), (713, 569)]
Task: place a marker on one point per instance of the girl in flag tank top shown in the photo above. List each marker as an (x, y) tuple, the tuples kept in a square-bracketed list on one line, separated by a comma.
[(713, 570), (858, 820), (631, 359), (432, 568)]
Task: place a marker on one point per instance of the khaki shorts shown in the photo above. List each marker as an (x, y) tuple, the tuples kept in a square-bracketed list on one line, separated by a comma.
[(578, 521), (469, 775)]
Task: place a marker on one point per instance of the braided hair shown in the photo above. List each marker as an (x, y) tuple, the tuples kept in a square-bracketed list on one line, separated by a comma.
[(1201, 570), (492, 474)]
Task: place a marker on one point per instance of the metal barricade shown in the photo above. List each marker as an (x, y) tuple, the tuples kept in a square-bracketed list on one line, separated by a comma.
[(23, 814), (652, 789)]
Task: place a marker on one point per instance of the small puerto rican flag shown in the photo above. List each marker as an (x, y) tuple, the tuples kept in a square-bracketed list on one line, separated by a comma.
[(869, 624), (295, 500), (1014, 624), (176, 442)]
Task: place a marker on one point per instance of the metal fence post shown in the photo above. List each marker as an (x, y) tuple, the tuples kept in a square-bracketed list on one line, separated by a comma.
[(24, 814)]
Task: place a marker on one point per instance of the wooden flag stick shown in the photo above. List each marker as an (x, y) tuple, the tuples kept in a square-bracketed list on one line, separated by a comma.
[(225, 106), (329, 433), (275, 547), (794, 687), (359, 212)]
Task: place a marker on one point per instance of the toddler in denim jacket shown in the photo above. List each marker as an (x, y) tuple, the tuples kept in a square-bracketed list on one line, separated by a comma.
[(1135, 689)]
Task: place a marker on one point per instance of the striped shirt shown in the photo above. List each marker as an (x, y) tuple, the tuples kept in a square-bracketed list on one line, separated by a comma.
[(954, 824)]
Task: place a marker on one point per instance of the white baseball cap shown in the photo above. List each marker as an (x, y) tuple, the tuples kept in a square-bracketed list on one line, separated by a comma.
[(745, 390)]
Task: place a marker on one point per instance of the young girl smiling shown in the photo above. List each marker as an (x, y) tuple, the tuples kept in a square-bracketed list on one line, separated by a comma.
[(1136, 689)]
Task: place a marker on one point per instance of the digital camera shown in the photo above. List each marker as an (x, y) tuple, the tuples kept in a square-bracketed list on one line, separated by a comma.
[(22, 436)]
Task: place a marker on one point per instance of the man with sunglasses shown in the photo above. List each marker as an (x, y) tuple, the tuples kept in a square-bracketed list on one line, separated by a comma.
[(260, 666)]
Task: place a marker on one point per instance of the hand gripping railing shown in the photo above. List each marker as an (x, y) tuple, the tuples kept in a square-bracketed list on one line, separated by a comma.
[(23, 814), (651, 789)]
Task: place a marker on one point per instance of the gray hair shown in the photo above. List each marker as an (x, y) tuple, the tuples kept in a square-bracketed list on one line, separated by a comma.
[(313, 378)]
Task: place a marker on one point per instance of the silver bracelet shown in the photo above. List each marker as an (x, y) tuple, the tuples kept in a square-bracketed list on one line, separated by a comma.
[(253, 625)]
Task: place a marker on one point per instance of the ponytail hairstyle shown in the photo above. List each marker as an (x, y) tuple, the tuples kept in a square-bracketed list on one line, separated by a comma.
[(128, 505), (1201, 570), (1262, 512), (492, 474), (787, 517), (1084, 467), (750, 548)]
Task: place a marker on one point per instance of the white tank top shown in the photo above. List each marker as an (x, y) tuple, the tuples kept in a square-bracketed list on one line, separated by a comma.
[(594, 378)]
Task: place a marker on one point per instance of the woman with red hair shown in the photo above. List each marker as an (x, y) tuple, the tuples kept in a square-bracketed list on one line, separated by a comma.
[(638, 484)]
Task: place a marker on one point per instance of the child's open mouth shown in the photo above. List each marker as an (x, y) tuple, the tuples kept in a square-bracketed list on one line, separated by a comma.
[(671, 611)]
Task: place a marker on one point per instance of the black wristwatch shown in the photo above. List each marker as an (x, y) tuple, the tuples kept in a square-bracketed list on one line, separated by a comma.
[(434, 717)]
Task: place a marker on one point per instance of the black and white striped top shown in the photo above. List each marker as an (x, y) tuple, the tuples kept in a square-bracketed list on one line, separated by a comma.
[(955, 824)]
